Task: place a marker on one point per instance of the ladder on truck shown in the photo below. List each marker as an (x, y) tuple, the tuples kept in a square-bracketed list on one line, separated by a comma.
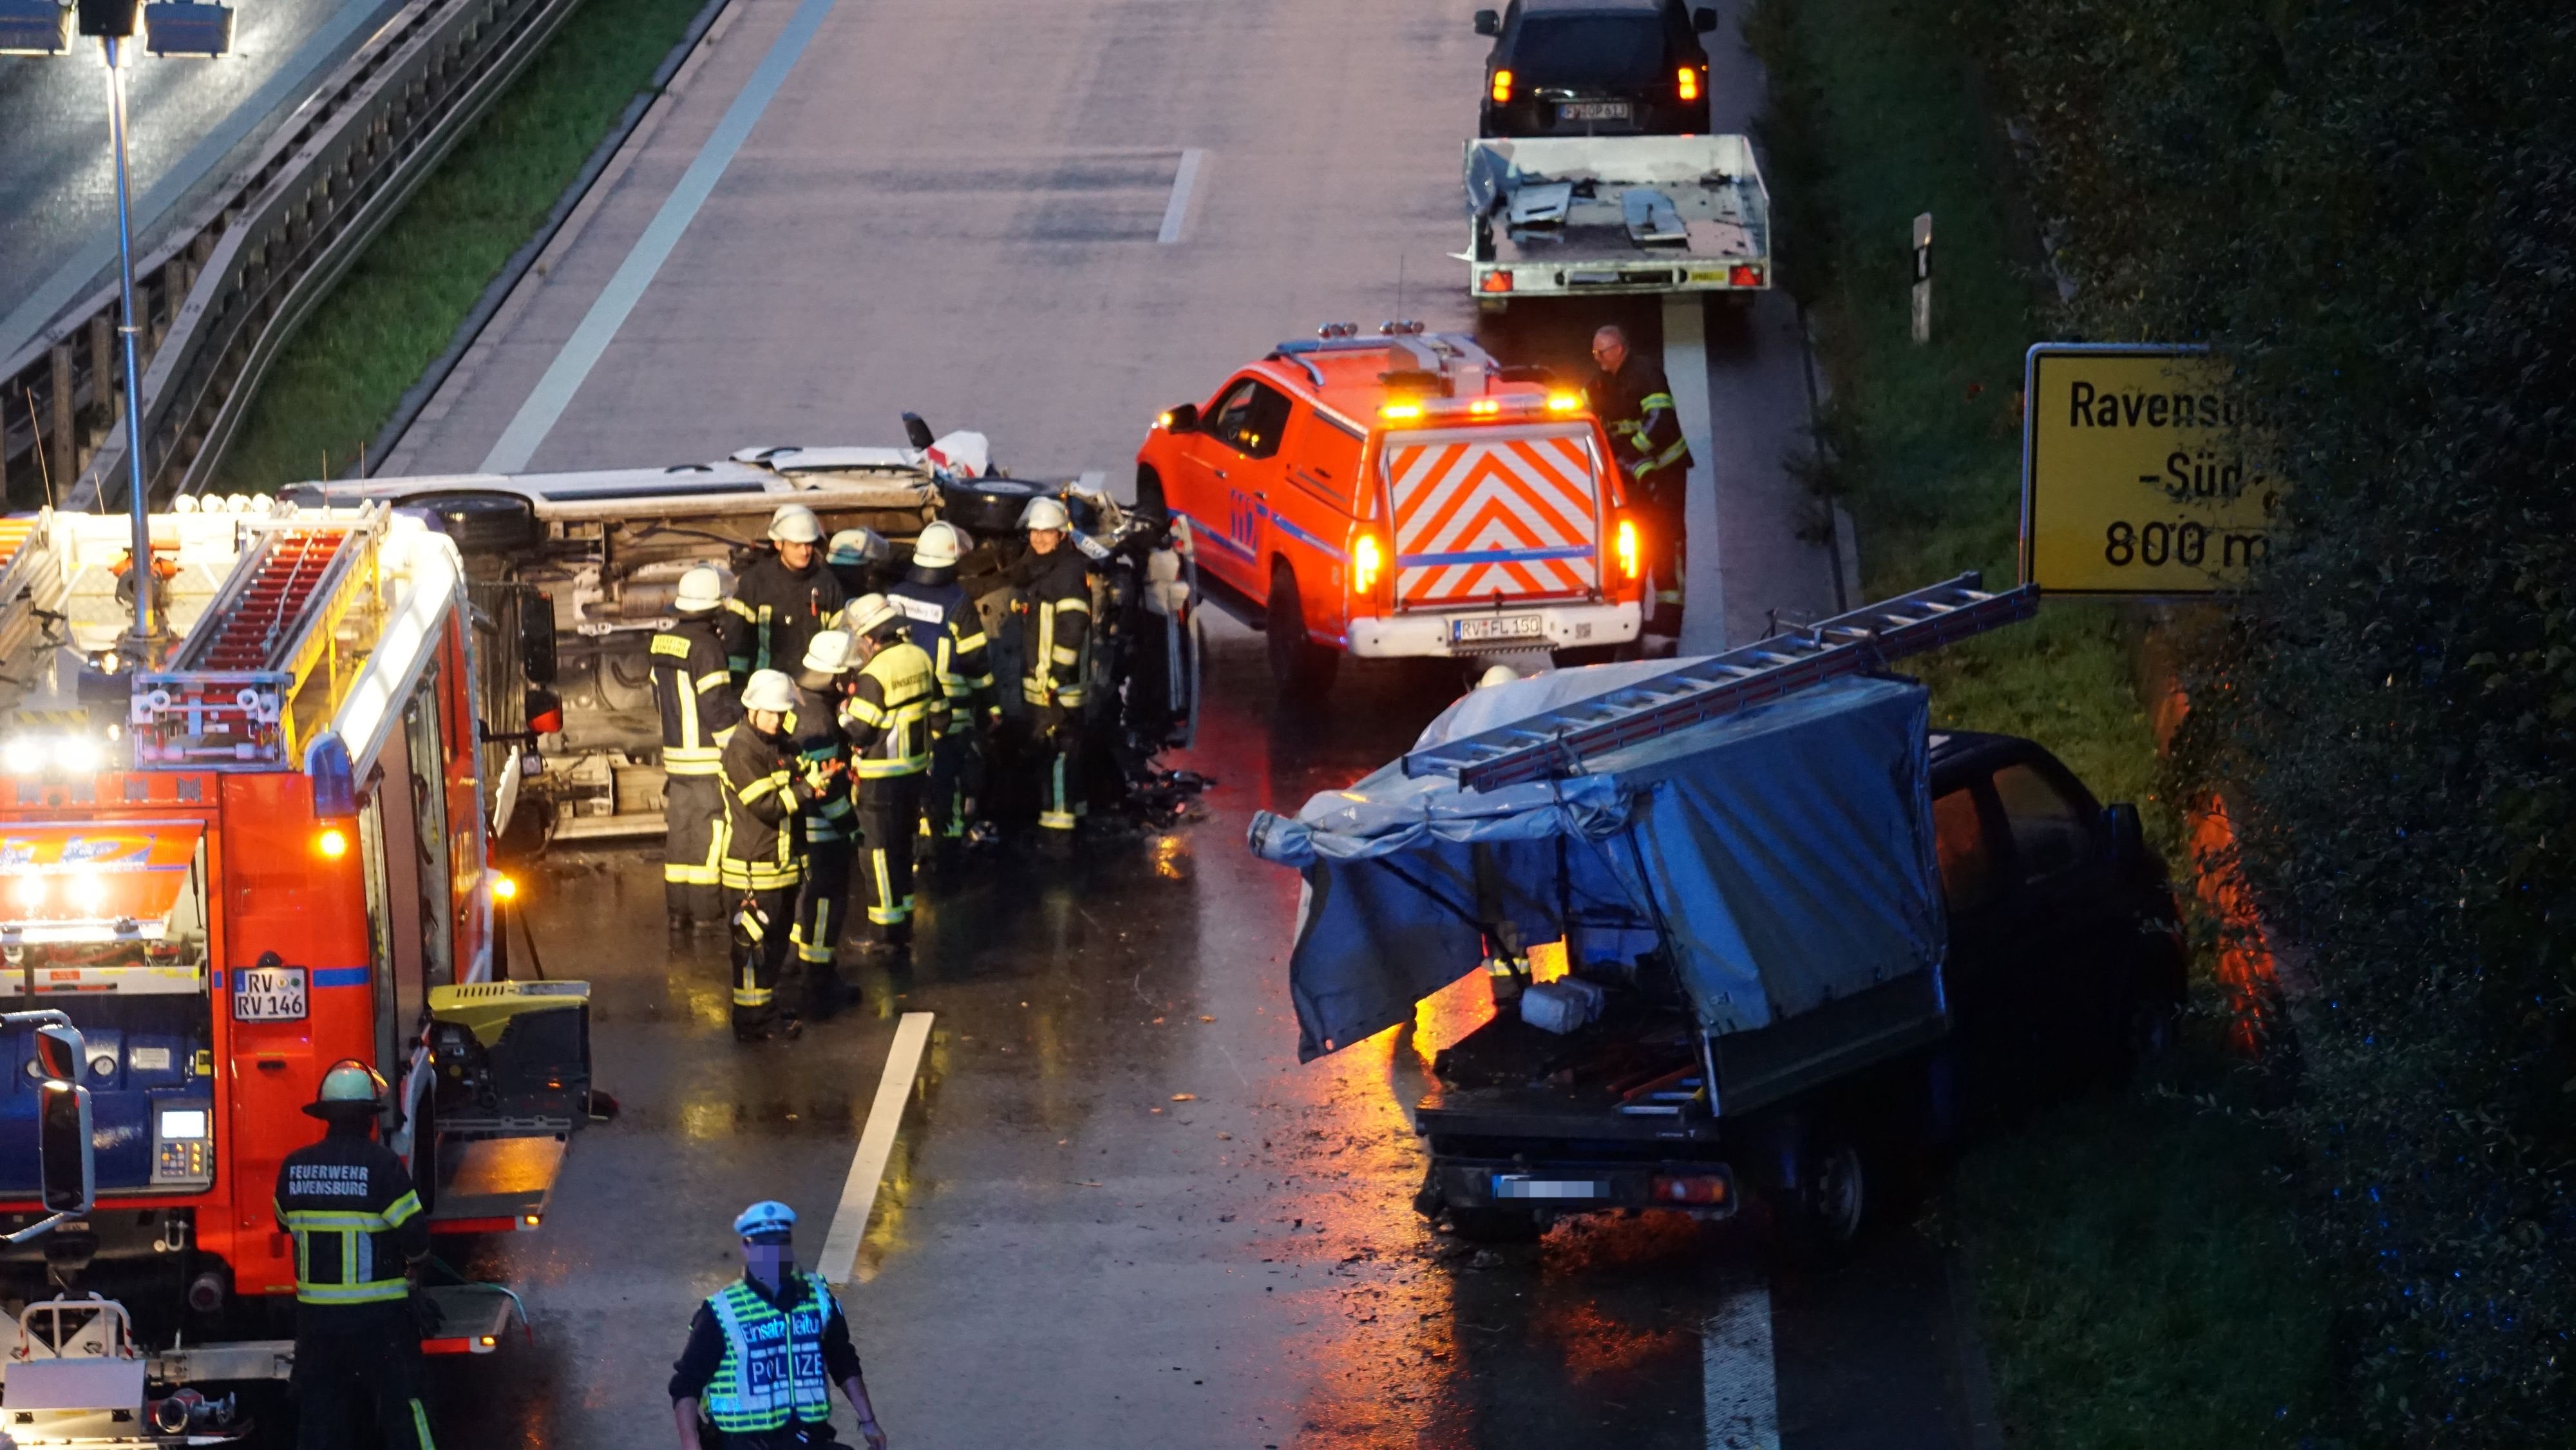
[(299, 608), (31, 594), (1556, 742)]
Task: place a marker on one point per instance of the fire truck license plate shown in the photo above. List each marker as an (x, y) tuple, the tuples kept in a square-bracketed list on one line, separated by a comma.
[(1593, 111), (268, 994), (1509, 626)]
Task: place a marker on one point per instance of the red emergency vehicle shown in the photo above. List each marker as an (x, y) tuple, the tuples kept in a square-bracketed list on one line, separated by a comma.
[(254, 855), (1397, 495)]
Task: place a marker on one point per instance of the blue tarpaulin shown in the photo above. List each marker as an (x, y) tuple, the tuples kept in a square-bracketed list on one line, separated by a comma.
[(1784, 853)]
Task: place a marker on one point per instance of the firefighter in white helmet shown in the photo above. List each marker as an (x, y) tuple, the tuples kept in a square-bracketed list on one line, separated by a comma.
[(763, 858), (831, 825), (1055, 601), (861, 559), (693, 685), (893, 710), (787, 594), (946, 625)]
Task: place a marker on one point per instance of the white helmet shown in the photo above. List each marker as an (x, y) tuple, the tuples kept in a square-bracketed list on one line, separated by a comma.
[(1498, 675), (858, 546), (828, 652), (701, 589), (769, 690), (794, 523), (1045, 513), (867, 614), (940, 545)]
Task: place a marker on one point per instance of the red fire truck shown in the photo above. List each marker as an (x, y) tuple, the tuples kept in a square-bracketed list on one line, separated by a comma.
[(235, 863)]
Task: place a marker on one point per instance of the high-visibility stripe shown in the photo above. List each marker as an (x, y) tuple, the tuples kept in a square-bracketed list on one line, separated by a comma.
[(774, 781), (316, 1220), (379, 1292), (714, 679), (404, 1209), (420, 1426)]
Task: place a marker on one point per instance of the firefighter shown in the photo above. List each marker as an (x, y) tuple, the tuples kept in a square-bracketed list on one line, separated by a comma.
[(1629, 395), (1055, 595), (787, 594), (893, 710), (765, 1350), (861, 559), (694, 686), (945, 623), (358, 1228), (762, 863), (831, 828)]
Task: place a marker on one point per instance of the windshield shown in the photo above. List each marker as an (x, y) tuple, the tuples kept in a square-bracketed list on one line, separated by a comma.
[(1590, 50)]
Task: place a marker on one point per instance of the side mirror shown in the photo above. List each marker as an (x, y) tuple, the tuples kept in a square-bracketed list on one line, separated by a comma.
[(66, 1166), (2128, 834), (59, 1054), (537, 636), (1182, 419), (917, 432), (1488, 23), (544, 710), (1703, 20)]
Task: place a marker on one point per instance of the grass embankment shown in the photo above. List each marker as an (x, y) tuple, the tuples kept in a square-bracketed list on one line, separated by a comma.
[(394, 313), (2137, 1279)]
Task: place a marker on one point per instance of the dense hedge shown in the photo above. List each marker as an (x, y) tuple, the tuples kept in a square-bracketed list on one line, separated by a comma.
[(2371, 206)]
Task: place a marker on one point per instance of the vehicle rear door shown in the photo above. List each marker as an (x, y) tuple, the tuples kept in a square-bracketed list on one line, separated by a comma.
[(1494, 514), (2069, 911), (1233, 458), (1993, 1024)]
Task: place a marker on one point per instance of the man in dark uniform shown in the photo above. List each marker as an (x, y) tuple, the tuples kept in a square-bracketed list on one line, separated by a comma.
[(787, 595), (945, 624), (831, 826), (893, 710), (861, 559), (358, 1228), (763, 858), (1629, 395), (1055, 598), (765, 1350), (694, 687)]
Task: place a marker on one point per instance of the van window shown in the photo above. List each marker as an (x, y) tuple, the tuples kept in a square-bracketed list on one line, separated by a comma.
[(2051, 832), (1323, 455), (1250, 418), (1959, 842)]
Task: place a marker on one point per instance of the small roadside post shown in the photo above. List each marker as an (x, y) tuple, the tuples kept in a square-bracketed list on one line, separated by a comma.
[(1923, 277)]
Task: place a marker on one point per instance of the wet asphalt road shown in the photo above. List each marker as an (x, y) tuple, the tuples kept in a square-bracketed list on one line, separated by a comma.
[(1120, 1213)]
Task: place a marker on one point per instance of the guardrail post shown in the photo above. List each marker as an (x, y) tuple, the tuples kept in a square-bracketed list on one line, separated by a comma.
[(60, 439)]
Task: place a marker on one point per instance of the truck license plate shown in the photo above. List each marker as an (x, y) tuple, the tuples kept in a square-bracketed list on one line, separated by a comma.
[(1592, 111), (268, 994), (1506, 626), (1511, 1185)]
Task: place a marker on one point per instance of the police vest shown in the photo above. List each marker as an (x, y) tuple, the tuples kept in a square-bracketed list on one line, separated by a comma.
[(772, 1368)]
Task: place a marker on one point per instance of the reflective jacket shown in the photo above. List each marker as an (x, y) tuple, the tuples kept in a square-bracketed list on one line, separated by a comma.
[(1056, 594), (348, 1201), (889, 715), (1636, 405), (782, 610), (946, 625), (823, 760), (693, 684), (773, 1368), (761, 796)]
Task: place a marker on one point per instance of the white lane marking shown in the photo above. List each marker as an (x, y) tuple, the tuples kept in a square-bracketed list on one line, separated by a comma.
[(59, 290), (1741, 1405), (876, 1145), (1184, 180), (589, 341), (1686, 370)]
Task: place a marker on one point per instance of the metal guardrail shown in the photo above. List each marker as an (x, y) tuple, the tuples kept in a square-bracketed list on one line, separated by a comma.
[(218, 299)]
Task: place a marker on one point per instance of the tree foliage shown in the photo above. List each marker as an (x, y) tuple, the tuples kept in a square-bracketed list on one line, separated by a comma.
[(2371, 208)]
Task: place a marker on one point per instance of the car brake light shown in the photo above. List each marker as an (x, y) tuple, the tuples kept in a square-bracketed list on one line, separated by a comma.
[(1689, 83), (1623, 542), (1743, 275), (1497, 282), (1366, 562), (1702, 1188), (1502, 86)]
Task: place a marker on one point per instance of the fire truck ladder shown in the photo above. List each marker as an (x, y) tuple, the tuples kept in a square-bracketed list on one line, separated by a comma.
[(1556, 742), (27, 596)]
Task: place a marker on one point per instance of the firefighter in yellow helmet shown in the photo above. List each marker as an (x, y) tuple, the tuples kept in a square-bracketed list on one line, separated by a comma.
[(358, 1227), (894, 708)]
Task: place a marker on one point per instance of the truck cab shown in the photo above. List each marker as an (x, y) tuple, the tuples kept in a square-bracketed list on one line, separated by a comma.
[(1399, 496)]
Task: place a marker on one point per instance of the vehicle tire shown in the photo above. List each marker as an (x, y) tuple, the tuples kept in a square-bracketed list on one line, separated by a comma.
[(1829, 1208), (1149, 496), (1496, 1225), (988, 507), (1302, 668)]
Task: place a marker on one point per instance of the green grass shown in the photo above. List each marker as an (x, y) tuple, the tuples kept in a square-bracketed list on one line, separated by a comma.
[(394, 313), (2137, 1280)]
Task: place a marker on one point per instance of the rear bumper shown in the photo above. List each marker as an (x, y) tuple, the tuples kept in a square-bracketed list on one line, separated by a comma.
[(1573, 1186), (1638, 273), (1561, 626)]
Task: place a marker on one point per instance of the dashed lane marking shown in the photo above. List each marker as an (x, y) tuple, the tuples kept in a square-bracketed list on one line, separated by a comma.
[(876, 1145), (1741, 1404), (1184, 181)]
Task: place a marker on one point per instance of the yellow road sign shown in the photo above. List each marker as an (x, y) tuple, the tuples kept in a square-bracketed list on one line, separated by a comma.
[(2137, 474)]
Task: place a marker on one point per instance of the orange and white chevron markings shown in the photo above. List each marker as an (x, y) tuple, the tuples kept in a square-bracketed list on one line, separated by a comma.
[(1474, 516)]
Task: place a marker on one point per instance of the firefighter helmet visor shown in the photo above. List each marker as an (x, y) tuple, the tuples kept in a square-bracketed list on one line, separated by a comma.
[(870, 613), (853, 547), (828, 653), (350, 1086), (794, 523)]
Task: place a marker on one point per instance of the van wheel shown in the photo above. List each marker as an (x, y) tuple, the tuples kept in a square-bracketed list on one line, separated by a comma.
[(1830, 1207), (1496, 1225), (1302, 668), (1149, 496)]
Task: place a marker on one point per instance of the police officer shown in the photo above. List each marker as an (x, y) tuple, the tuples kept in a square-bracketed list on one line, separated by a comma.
[(893, 709), (765, 1350), (762, 860), (694, 687), (944, 623), (861, 559), (788, 594), (1629, 395), (1055, 595), (358, 1227), (831, 827)]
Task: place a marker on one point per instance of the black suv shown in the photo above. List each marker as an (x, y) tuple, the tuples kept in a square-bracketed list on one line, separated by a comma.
[(1596, 67)]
